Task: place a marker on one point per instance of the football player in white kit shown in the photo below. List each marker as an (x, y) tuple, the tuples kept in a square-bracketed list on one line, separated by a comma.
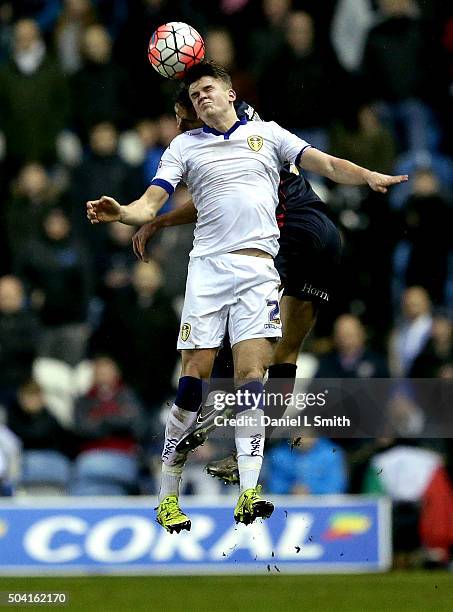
[(231, 168)]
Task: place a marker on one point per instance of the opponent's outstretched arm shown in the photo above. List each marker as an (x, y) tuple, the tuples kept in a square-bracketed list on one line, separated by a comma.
[(345, 172), (107, 210), (187, 213)]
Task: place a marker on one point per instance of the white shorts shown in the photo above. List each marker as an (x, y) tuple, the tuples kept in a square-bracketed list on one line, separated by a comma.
[(240, 291)]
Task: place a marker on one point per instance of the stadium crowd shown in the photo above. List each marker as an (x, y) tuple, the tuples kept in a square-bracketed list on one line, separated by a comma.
[(87, 333)]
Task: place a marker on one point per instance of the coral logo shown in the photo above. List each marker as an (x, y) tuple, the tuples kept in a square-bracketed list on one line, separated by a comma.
[(345, 525), (3, 528)]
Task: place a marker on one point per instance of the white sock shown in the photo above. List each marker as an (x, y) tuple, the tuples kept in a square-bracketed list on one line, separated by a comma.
[(178, 422), (250, 446), (249, 471), (170, 480)]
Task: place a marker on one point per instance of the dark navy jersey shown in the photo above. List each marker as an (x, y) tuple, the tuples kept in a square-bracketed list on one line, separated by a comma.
[(295, 194)]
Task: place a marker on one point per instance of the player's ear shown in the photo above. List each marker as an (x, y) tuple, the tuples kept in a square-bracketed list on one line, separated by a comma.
[(232, 95)]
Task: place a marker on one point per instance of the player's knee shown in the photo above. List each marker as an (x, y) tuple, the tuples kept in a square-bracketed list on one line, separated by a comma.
[(250, 373), (287, 352), (198, 367)]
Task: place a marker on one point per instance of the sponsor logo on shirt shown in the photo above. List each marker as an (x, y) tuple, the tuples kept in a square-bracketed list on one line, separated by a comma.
[(315, 291)]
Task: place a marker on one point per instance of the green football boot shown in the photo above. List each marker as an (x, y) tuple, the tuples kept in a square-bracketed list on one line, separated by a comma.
[(251, 506), (170, 515)]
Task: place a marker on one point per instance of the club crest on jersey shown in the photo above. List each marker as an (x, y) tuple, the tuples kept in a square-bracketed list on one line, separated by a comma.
[(185, 331), (255, 143)]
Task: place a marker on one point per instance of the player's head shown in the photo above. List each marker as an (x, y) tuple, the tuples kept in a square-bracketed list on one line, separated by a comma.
[(210, 90), (186, 117)]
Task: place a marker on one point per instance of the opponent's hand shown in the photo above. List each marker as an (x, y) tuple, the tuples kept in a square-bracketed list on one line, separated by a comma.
[(381, 182), (104, 210), (140, 239)]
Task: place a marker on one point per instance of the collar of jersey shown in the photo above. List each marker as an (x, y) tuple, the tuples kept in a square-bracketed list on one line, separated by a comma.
[(227, 134)]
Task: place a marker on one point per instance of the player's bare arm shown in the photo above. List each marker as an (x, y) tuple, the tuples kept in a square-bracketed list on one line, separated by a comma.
[(187, 213), (347, 173), (139, 212)]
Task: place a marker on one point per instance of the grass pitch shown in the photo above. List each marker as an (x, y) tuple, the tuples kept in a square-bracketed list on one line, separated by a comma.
[(397, 591)]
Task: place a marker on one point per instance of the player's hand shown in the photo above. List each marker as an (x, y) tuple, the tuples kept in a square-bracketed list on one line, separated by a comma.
[(140, 239), (104, 210), (381, 182)]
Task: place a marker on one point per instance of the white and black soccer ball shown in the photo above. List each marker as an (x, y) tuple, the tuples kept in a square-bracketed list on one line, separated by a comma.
[(174, 48)]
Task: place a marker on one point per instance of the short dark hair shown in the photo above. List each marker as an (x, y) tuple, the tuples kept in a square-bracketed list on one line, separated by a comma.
[(183, 98), (207, 69)]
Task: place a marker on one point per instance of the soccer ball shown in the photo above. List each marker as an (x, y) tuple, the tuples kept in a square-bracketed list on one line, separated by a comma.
[(174, 48)]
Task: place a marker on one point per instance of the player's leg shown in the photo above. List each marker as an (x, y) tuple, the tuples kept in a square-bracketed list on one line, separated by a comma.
[(196, 368), (254, 326), (298, 317), (222, 381), (310, 248), (203, 322), (251, 359)]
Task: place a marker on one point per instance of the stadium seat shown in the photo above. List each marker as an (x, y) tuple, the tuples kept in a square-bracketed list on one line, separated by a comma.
[(45, 469), (91, 489), (110, 471)]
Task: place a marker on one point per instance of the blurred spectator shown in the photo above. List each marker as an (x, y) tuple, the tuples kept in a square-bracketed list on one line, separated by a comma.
[(171, 250), (32, 194), (410, 335), (75, 17), (45, 466), (57, 272), (220, 48), (410, 163), (438, 349), (108, 422), (34, 100), (100, 74), (139, 329), (351, 358), (366, 142), (149, 92), (33, 423), (416, 481), (350, 25), (45, 12), (156, 137), (19, 336), (302, 103), (149, 134), (113, 13), (422, 257), (310, 466), (395, 65), (116, 261), (6, 29), (101, 167), (266, 42)]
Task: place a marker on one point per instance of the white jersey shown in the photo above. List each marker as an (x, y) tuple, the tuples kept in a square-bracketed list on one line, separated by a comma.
[(233, 178)]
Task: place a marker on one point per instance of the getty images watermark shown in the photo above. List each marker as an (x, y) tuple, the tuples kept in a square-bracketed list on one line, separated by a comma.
[(250, 407)]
